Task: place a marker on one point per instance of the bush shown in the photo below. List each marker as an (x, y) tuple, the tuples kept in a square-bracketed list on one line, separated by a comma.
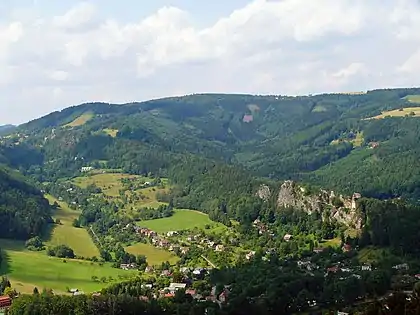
[(61, 251), (34, 244)]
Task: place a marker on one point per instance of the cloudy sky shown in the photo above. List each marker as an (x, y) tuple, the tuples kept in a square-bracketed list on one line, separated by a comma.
[(58, 53)]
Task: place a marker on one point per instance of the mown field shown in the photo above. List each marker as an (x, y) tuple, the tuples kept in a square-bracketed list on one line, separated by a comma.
[(181, 220), (65, 233), (80, 121), (154, 255), (413, 98), (406, 111), (27, 269)]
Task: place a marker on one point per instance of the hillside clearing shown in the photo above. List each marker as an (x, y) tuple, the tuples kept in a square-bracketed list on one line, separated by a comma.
[(413, 98), (181, 220), (81, 120), (371, 254), (111, 132), (26, 269), (65, 233), (406, 111), (110, 183), (154, 255), (356, 141)]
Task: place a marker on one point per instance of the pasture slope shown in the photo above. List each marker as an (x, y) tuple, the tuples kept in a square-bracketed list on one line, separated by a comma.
[(153, 255), (111, 184), (80, 121), (27, 270), (65, 233), (182, 219)]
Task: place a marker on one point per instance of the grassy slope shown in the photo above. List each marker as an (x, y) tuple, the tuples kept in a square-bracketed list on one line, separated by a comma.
[(80, 121), (77, 238), (110, 183), (181, 220), (154, 255), (399, 113), (27, 269)]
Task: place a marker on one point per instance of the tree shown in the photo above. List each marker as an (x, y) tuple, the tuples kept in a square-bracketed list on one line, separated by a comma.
[(35, 291), (34, 243)]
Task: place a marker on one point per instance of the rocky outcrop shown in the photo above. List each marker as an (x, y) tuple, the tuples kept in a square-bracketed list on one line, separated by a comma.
[(331, 207), (264, 192)]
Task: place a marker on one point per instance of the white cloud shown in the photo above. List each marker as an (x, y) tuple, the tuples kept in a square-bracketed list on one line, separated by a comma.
[(284, 47)]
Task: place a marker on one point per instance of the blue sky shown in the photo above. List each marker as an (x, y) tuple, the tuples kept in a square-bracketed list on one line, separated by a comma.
[(60, 53)]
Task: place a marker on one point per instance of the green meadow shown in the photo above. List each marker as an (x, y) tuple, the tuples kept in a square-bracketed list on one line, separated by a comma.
[(27, 270), (181, 220)]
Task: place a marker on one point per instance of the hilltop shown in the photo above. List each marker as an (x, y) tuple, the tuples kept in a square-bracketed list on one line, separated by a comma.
[(322, 139)]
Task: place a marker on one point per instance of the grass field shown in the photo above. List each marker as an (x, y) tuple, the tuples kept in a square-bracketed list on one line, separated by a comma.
[(27, 269), (154, 255), (371, 254), (65, 233), (413, 98), (110, 183), (81, 120), (111, 132), (357, 141), (181, 220), (399, 113), (319, 109)]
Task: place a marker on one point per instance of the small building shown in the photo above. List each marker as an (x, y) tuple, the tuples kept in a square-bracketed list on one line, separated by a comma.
[(74, 290), (366, 268), (86, 169), (333, 269), (287, 237), (173, 287), (128, 266), (318, 250), (148, 269), (346, 248), (250, 255), (5, 302), (403, 266)]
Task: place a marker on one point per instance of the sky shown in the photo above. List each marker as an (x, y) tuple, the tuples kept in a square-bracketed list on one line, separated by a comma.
[(54, 54)]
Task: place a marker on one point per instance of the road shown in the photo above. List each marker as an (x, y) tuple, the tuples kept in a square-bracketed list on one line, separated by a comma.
[(210, 263)]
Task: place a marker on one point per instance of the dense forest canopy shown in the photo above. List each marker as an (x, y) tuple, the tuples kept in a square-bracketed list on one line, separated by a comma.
[(24, 212)]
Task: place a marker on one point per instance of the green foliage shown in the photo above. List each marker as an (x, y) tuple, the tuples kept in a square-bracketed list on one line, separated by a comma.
[(24, 212), (61, 251), (34, 243)]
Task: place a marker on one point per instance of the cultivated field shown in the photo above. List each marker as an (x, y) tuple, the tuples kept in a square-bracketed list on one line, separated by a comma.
[(81, 120), (27, 269), (181, 220), (407, 111), (65, 233), (154, 255)]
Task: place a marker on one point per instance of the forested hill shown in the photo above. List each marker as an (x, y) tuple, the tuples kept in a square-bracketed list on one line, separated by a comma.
[(342, 141), (24, 212)]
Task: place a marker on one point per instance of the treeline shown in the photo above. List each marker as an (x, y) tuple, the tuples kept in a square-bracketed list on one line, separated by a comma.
[(108, 305), (393, 224)]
